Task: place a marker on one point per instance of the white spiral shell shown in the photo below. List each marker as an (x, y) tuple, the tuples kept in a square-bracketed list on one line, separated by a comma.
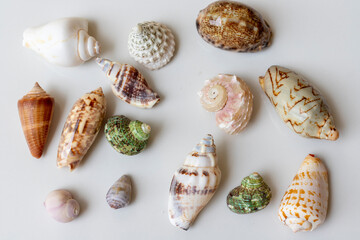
[(304, 204), (151, 44), (231, 99), (64, 42), (194, 184)]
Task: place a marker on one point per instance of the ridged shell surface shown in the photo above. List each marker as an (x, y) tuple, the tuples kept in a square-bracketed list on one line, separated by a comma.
[(251, 196), (304, 205), (194, 184), (35, 111), (127, 136), (233, 26), (128, 84), (299, 104), (231, 99), (64, 42), (151, 44), (119, 194), (81, 128)]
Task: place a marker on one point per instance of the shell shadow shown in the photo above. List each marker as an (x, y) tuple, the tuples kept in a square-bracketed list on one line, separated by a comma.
[(133, 189), (156, 128), (59, 109), (256, 99), (222, 152), (268, 180), (177, 43), (105, 45)]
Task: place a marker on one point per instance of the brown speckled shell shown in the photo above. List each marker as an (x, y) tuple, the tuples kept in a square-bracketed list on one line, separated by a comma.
[(35, 111), (81, 128), (233, 26)]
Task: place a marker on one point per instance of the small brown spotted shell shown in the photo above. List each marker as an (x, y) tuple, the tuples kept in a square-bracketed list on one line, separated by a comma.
[(233, 26)]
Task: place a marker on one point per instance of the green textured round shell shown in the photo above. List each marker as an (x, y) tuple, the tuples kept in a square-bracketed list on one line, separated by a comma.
[(251, 196), (126, 136)]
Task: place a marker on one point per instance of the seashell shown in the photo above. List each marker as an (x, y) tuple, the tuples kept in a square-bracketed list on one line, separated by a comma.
[(81, 128), (35, 111), (64, 42), (127, 136), (119, 194), (251, 196), (152, 44), (299, 104), (231, 99), (194, 184), (62, 206), (233, 26), (304, 205), (128, 84)]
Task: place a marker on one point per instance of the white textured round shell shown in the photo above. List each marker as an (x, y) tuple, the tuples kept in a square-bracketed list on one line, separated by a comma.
[(234, 108), (151, 44)]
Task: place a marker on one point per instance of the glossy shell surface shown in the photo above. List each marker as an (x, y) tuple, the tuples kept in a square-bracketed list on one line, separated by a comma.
[(119, 194), (128, 84), (299, 104), (127, 136), (81, 128), (231, 100), (194, 184), (35, 112), (251, 196), (64, 42), (233, 26), (304, 204), (151, 44)]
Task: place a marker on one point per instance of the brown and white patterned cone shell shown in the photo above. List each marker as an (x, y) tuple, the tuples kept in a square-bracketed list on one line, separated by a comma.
[(81, 128), (35, 111), (299, 104), (194, 184), (304, 205), (128, 84)]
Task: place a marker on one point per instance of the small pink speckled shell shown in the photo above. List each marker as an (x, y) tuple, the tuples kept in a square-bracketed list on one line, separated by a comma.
[(233, 103), (304, 204)]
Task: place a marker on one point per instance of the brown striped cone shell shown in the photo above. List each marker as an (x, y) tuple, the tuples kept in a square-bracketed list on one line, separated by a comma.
[(128, 84), (231, 100), (81, 128), (194, 184), (233, 26), (35, 111), (299, 104), (304, 205)]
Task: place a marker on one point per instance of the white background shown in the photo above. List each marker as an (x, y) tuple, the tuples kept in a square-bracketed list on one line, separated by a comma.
[(319, 39)]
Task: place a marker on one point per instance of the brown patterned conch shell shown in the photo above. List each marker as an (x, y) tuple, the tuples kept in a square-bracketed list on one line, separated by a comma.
[(233, 26), (304, 205), (194, 184), (81, 128), (299, 104), (35, 111), (128, 84), (231, 100)]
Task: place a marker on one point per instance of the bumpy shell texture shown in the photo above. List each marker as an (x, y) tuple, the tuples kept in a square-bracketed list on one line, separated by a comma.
[(35, 111), (304, 204), (119, 194), (194, 184), (251, 196), (127, 136), (299, 104), (231, 99), (128, 84), (233, 26), (61, 206), (81, 128), (151, 44)]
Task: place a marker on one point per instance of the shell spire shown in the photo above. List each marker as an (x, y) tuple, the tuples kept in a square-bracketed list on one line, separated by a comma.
[(128, 84), (151, 44), (304, 204), (194, 184), (81, 128), (35, 111)]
